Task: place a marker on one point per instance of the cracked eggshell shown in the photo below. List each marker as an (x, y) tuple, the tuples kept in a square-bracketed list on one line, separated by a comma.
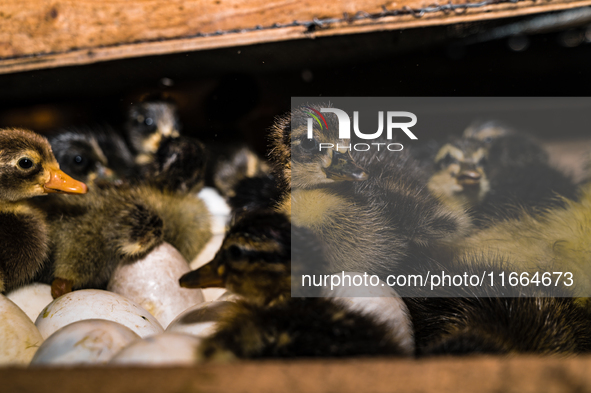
[(165, 349), (32, 298), (201, 320), (92, 341), (19, 337), (153, 283), (382, 303), (96, 304)]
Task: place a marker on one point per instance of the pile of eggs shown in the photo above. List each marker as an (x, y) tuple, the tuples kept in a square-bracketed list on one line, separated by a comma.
[(144, 316)]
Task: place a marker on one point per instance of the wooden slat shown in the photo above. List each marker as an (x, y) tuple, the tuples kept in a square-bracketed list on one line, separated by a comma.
[(38, 34), (441, 375)]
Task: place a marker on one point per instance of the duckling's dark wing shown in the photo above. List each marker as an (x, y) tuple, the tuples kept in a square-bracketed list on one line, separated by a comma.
[(90, 236), (299, 328), (23, 247)]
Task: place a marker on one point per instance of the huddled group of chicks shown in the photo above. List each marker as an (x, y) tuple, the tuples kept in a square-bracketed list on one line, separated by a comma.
[(489, 200), (142, 192)]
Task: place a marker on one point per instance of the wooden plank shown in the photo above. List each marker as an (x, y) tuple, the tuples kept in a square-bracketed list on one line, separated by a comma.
[(38, 34), (480, 374)]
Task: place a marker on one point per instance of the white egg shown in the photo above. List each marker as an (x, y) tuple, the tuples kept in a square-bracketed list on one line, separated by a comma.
[(153, 283), (201, 320), (379, 301), (19, 337), (208, 252), (212, 294), (32, 298), (92, 341), (229, 297), (218, 208), (165, 349), (220, 215), (96, 304)]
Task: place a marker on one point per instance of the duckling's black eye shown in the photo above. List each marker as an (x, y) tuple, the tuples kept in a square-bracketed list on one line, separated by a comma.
[(149, 121), (25, 163), (308, 144), (234, 252), (79, 160), (488, 139)]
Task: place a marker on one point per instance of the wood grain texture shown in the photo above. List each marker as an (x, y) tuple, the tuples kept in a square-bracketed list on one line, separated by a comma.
[(479, 374), (49, 33)]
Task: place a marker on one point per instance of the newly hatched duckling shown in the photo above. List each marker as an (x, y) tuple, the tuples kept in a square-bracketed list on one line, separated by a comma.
[(91, 154), (460, 176), (178, 165), (99, 154), (556, 240), (254, 263), (370, 221), (149, 122), (243, 179), (509, 173), (495, 319), (28, 168), (118, 224), (164, 157), (501, 325), (235, 165)]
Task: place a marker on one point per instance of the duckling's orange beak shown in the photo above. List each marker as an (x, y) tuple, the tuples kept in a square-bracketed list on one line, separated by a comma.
[(60, 182), (204, 277)]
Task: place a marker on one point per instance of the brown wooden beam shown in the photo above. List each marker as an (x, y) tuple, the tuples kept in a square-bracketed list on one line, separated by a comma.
[(37, 34), (478, 374)]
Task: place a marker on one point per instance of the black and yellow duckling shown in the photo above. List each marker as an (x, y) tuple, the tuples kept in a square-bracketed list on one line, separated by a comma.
[(116, 224), (460, 175), (556, 240), (514, 174), (164, 157), (499, 320), (149, 122), (236, 164), (28, 168), (100, 154), (91, 154), (370, 219), (254, 263), (242, 178), (501, 325), (178, 165)]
